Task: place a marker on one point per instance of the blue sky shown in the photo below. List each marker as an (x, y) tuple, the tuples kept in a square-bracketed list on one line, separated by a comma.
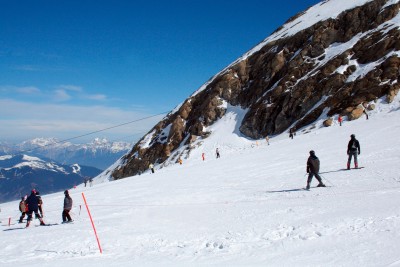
[(71, 67)]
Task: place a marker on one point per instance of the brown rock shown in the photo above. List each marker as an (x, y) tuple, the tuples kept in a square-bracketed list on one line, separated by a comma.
[(328, 122), (355, 114)]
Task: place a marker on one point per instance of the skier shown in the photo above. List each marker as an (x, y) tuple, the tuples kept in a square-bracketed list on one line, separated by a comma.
[(313, 170), (33, 206), (203, 156), (22, 209), (40, 201), (90, 182), (353, 149), (292, 133), (217, 153), (340, 119), (67, 208), (180, 160), (151, 166), (85, 181), (267, 139)]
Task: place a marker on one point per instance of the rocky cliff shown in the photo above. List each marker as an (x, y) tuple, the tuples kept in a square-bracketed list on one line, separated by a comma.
[(324, 61)]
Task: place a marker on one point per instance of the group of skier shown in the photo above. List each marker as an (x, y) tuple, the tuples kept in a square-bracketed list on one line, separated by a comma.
[(353, 149), (34, 204)]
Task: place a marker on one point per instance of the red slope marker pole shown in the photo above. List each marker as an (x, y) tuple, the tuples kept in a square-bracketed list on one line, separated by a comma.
[(9, 221), (94, 228)]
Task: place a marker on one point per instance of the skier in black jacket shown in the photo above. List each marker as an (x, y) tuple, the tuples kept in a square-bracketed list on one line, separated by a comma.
[(353, 149), (33, 206), (313, 169)]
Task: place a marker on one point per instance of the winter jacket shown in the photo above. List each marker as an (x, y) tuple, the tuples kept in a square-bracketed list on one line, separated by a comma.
[(67, 202), (353, 146), (33, 202), (313, 164)]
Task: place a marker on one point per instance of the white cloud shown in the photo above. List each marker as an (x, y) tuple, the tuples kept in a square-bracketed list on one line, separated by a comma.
[(22, 120), (99, 97), (28, 90), (74, 88), (21, 90), (61, 95)]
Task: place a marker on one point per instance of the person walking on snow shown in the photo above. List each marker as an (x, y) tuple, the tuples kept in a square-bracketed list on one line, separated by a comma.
[(313, 170), (217, 153), (151, 166), (340, 119), (33, 205), (292, 133), (67, 208), (353, 149)]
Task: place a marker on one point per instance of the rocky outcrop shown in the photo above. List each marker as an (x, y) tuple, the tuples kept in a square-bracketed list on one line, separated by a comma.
[(333, 65), (328, 122)]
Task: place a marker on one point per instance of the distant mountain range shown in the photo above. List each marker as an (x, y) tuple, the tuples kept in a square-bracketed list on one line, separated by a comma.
[(100, 153), (19, 174)]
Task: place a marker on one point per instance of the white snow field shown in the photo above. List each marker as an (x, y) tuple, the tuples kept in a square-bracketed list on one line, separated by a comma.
[(247, 208)]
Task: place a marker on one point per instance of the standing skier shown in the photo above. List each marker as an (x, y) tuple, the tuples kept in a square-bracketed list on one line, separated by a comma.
[(151, 166), (313, 170), (217, 153), (33, 205), (292, 133), (67, 208), (267, 139), (340, 119), (353, 149), (203, 156)]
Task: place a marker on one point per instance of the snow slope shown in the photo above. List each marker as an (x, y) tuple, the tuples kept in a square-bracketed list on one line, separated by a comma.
[(245, 209)]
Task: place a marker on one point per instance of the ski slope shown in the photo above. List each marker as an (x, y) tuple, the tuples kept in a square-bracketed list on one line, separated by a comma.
[(247, 208)]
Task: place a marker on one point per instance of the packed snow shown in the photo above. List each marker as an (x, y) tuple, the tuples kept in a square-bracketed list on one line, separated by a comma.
[(247, 208)]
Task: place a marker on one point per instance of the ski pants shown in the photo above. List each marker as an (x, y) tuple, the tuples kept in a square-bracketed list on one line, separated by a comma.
[(310, 176), (22, 216), (65, 215), (37, 215), (352, 154)]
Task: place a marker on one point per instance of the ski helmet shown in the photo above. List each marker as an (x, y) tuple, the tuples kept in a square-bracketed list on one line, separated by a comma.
[(312, 152), (353, 136)]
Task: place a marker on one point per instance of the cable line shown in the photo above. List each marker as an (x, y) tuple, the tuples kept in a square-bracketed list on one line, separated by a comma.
[(98, 131)]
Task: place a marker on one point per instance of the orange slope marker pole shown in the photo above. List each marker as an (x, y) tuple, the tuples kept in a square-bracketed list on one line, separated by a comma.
[(94, 228)]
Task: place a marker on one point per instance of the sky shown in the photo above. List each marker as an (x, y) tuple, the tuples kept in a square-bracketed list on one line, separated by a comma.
[(68, 68)]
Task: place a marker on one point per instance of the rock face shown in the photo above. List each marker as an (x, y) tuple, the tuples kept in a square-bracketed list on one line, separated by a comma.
[(289, 79)]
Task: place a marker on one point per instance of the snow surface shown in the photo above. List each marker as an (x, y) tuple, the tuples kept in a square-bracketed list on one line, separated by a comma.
[(245, 209)]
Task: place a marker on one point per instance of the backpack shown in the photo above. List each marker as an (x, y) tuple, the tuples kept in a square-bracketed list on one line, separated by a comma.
[(354, 146)]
